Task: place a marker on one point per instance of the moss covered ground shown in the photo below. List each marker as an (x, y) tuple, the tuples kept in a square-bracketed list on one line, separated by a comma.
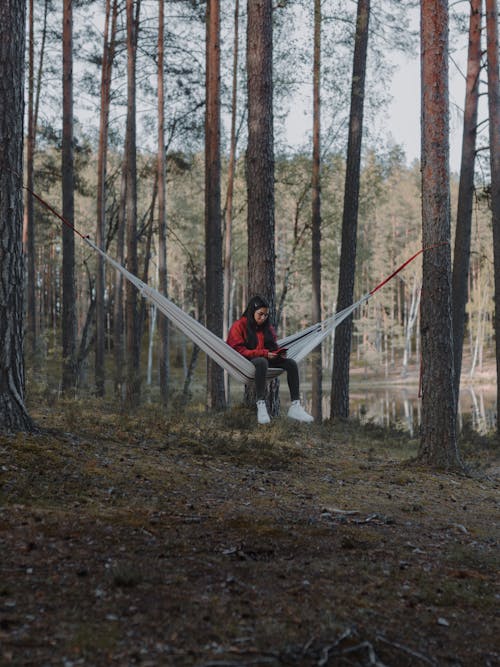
[(193, 539)]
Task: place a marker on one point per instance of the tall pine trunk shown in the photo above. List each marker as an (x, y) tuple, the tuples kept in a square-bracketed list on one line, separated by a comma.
[(69, 379), (461, 256), (118, 309), (260, 152), (13, 413), (100, 314), (133, 391), (34, 88), (230, 181), (494, 133), (317, 366), (339, 405), (31, 328), (163, 328), (213, 233), (438, 445), (260, 161)]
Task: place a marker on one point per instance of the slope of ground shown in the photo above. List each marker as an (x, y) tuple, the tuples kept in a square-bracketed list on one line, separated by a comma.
[(202, 540)]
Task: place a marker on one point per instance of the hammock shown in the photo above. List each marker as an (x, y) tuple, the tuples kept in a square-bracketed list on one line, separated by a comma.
[(298, 345)]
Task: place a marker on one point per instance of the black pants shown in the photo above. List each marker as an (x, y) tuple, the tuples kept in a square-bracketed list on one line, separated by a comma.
[(292, 375)]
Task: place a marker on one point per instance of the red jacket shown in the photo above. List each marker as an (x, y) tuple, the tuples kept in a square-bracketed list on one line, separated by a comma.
[(238, 335)]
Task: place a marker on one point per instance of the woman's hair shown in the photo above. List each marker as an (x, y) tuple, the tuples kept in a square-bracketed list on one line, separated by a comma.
[(255, 303)]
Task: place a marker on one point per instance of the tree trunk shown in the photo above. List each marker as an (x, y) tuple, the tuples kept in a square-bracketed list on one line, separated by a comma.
[(69, 379), (230, 180), (118, 310), (461, 257), (163, 328), (260, 161), (13, 413), (29, 213), (260, 153), (30, 236), (317, 366), (494, 132), (438, 445), (100, 315), (213, 235), (339, 404), (132, 315)]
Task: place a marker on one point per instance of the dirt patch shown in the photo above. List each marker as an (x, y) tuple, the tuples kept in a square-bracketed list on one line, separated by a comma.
[(201, 540)]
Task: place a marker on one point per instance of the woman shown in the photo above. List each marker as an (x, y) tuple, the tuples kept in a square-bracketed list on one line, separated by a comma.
[(254, 337)]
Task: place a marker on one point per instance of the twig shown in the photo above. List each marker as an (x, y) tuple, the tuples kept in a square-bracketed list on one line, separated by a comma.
[(325, 654), (371, 653), (415, 654), (229, 663)]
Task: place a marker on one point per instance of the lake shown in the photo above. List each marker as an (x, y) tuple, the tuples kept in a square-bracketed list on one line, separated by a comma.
[(399, 406)]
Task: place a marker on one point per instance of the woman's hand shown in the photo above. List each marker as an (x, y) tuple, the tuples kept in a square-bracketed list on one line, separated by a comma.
[(272, 355)]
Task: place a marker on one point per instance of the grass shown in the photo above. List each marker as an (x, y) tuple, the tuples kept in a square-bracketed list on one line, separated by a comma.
[(187, 538)]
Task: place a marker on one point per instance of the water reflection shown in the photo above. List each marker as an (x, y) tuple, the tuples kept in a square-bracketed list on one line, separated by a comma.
[(400, 407)]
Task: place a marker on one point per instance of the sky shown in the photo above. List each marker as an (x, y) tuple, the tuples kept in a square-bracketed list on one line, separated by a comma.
[(401, 120), (404, 110)]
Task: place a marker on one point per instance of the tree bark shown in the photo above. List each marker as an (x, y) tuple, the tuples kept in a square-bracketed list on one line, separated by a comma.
[(316, 362), (163, 327), (260, 163), (213, 233), (29, 212), (100, 314), (461, 256), (260, 152), (118, 309), (230, 181), (494, 133), (133, 389), (339, 402), (13, 412), (68, 238), (438, 445)]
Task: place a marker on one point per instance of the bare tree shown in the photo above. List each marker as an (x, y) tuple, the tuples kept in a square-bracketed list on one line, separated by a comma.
[(230, 179), (438, 445), (132, 315), (106, 71), (461, 256), (68, 205), (494, 132), (34, 88), (339, 405), (213, 234), (13, 413), (163, 328), (317, 366)]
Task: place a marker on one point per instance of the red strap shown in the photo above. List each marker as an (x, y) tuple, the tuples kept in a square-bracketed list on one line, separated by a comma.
[(400, 268), (52, 210)]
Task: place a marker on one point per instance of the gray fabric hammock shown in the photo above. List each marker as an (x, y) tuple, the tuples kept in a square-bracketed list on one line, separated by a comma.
[(298, 345)]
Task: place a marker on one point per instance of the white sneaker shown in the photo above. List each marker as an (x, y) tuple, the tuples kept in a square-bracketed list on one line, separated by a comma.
[(296, 411), (262, 415)]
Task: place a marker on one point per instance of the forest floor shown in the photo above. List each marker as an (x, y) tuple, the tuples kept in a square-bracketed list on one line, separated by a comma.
[(203, 540)]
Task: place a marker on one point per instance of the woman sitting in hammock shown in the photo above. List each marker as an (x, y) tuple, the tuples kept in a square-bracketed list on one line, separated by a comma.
[(254, 337)]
